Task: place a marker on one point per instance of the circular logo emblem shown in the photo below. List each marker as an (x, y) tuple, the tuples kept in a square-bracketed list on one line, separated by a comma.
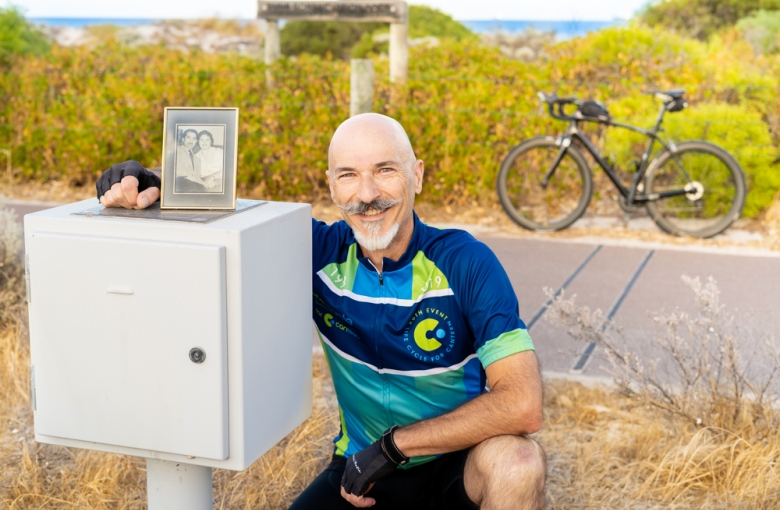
[(429, 336)]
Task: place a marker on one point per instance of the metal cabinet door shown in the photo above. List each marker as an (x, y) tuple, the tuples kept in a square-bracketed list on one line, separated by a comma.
[(112, 323)]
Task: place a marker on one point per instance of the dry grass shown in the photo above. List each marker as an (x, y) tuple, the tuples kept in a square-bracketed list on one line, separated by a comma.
[(606, 449), (34, 476), (696, 427)]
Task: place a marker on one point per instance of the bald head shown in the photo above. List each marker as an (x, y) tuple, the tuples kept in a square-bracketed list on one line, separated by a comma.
[(370, 134)]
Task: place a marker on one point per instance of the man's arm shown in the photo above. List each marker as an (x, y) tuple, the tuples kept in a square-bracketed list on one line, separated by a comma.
[(513, 406)]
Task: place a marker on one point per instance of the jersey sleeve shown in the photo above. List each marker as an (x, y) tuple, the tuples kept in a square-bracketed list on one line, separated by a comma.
[(490, 305)]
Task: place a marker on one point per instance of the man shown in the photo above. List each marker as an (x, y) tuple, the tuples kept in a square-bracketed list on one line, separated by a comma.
[(187, 166), (414, 321)]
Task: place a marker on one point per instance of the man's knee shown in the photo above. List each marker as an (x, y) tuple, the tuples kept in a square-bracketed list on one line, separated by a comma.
[(507, 464)]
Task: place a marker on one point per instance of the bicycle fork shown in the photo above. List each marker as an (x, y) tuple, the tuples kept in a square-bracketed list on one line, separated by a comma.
[(565, 143)]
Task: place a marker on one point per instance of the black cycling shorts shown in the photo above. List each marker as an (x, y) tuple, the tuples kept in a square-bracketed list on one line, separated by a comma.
[(436, 485)]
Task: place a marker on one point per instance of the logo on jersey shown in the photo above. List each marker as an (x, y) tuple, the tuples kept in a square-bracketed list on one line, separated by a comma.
[(429, 336), (332, 322)]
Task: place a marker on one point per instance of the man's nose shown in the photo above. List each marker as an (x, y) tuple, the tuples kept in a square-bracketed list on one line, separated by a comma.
[(368, 190)]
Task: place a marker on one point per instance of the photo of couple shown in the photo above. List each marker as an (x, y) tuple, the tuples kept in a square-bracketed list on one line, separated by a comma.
[(199, 164)]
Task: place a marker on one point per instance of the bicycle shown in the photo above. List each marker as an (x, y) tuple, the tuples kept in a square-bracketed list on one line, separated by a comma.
[(691, 188)]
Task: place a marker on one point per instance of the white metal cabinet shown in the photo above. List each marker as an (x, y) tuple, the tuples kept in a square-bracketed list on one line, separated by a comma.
[(144, 306), (238, 287)]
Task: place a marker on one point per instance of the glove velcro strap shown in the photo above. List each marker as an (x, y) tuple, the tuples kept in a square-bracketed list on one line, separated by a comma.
[(391, 452)]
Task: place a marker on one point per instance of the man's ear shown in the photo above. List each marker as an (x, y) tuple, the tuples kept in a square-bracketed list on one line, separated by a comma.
[(419, 171)]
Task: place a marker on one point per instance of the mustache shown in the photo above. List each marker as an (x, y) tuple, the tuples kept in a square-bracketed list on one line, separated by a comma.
[(378, 205)]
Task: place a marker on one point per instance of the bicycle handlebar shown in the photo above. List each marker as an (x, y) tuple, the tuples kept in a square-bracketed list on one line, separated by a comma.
[(552, 100)]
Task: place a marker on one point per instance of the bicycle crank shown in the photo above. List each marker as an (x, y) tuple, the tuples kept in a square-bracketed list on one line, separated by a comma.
[(694, 191), (621, 200)]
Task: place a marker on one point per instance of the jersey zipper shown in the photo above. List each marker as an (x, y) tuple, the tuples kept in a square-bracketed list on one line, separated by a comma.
[(381, 278), (378, 331)]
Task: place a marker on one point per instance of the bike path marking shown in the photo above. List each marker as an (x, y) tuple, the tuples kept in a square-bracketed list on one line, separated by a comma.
[(582, 361), (563, 286)]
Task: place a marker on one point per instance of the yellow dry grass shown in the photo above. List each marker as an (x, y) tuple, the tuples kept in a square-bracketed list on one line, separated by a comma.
[(605, 452)]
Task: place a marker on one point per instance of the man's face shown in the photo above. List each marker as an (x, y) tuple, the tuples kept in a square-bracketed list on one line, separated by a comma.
[(374, 183), (190, 138)]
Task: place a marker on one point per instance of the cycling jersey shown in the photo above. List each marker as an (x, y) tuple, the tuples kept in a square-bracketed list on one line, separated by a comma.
[(413, 342)]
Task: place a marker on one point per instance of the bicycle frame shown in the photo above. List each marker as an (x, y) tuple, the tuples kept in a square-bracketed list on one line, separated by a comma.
[(630, 193)]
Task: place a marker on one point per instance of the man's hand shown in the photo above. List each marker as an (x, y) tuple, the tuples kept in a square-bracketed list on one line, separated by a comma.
[(128, 185), (362, 470)]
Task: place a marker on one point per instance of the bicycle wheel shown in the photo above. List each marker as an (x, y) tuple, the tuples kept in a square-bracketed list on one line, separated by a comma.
[(533, 206), (716, 188)]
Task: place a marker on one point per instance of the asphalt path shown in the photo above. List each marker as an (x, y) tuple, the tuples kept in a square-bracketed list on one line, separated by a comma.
[(631, 283), (628, 281)]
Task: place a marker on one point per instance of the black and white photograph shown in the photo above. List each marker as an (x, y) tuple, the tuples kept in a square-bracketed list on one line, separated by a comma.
[(199, 158)]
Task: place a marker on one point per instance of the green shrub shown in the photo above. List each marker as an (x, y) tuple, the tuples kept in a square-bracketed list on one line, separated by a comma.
[(18, 37), (425, 21), (762, 30), (701, 18)]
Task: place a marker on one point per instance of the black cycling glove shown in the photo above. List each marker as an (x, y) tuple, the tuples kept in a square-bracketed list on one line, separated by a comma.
[(369, 465), (113, 175)]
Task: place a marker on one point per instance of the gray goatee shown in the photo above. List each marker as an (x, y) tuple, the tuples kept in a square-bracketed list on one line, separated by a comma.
[(373, 241)]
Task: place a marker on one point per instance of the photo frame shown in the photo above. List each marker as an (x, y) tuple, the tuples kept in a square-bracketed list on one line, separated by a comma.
[(200, 158)]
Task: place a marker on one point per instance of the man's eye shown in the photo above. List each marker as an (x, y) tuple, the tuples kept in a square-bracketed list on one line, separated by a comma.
[(386, 170)]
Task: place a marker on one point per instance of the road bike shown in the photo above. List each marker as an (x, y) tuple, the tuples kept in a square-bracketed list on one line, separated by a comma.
[(691, 188)]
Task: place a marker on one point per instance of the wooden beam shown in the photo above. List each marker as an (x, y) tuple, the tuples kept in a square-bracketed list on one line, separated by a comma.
[(354, 10)]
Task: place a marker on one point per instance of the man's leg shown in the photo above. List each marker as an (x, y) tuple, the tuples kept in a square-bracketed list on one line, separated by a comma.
[(324, 493), (506, 472)]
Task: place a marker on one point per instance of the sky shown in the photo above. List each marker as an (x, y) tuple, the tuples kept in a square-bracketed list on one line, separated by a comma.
[(565, 10)]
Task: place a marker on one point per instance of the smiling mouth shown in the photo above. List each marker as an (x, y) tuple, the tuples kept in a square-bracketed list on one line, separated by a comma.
[(374, 212)]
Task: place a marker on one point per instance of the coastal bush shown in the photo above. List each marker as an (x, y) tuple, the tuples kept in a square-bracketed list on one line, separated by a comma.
[(701, 18), (18, 37), (762, 30), (72, 113)]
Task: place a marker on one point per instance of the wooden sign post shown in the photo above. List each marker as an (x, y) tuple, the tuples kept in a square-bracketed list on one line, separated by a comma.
[(394, 12)]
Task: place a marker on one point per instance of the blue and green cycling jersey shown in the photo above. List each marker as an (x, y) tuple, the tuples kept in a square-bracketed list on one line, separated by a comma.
[(412, 343)]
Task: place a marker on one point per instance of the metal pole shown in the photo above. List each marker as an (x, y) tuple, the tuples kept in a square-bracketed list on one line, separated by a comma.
[(361, 86), (177, 486), (399, 52)]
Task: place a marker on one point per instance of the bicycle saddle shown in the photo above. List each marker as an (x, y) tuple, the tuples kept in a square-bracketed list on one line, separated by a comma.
[(667, 95)]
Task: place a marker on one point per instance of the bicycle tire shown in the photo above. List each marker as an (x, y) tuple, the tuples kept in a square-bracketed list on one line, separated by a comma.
[(722, 197), (522, 196)]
